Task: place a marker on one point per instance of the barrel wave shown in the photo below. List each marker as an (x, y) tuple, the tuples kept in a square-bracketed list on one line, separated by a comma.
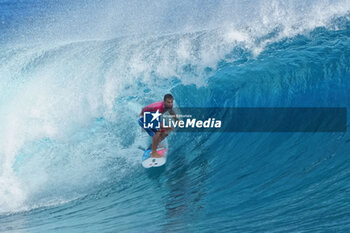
[(75, 77)]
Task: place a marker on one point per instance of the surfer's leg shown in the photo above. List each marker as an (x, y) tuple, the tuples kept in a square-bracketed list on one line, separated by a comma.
[(157, 138), (164, 134), (155, 142)]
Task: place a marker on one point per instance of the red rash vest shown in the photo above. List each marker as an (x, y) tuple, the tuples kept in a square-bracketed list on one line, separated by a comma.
[(154, 107)]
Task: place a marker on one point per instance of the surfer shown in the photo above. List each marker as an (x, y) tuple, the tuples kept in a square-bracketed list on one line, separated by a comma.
[(158, 134)]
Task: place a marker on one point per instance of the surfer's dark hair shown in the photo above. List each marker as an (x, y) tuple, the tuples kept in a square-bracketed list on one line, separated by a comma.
[(168, 96)]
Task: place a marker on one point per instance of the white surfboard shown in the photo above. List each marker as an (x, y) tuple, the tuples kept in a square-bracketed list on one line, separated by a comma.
[(148, 161)]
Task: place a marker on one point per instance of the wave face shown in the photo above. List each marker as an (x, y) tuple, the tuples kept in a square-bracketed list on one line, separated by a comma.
[(74, 77)]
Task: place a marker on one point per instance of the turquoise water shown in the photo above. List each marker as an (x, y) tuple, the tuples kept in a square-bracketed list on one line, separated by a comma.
[(74, 78)]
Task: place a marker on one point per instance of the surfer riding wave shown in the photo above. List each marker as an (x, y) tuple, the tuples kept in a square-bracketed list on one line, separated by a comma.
[(158, 134)]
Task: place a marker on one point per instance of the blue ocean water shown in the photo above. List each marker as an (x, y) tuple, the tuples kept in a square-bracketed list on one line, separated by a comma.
[(74, 77)]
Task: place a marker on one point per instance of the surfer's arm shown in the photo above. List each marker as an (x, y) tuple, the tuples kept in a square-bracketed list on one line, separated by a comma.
[(162, 127), (172, 113)]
